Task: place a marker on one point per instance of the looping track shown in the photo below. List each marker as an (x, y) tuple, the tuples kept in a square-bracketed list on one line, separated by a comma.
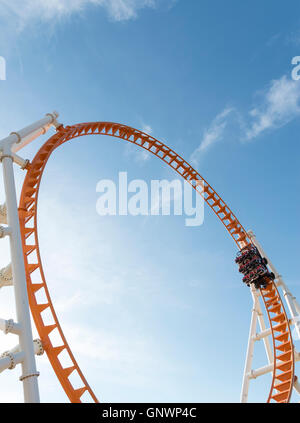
[(283, 373)]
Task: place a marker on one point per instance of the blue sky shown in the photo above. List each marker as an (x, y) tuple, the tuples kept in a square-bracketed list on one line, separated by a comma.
[(155, 310)]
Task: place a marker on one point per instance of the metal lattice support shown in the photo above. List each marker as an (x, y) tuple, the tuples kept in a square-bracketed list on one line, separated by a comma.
[(282, 361)]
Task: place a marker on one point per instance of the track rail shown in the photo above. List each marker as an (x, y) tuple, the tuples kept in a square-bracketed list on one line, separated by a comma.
[(283, 374), (283, 348)]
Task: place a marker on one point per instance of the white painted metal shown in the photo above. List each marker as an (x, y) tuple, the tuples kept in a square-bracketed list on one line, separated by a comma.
[(292, 305), (297, 385), (261, 371), (262, 325), (289, 298), (29, 376), (6, 362), (262, 334), (250, 350), (18, 160), (9, 326), (14, 274), (9, 359), (18, 140), (37, 346), (4, 231), (257, 314), (267, 369)]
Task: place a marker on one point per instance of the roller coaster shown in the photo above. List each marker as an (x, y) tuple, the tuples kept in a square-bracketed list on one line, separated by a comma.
[(26, 275)]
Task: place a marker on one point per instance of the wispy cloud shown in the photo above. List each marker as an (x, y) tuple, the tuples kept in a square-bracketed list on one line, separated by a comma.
[(126, 9), (147, 129), (275, 106), (25, 11), (293, 37), (280, 104), (213, 133), (138, 154)]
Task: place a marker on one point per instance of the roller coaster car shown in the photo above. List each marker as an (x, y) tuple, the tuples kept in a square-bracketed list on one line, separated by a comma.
[(254, 267), (251, 264), (246, 254), (247, 258), (259, 276), (263, 282)]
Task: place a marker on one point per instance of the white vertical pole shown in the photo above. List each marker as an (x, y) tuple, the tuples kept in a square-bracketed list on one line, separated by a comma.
[(262, 326), (250, 350), (289, 298), (29, 376)]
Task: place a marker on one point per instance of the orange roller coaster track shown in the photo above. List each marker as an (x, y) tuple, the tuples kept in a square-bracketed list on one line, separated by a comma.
[(283, 352)]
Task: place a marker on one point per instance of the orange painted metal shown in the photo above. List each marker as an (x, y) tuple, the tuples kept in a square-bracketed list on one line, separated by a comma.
[(280, 392), (283, 348)]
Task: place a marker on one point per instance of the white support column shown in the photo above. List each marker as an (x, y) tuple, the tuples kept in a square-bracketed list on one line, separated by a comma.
[(29, 376), (289, 298), (15, 274), (268, 368), (297, 306), (262, 325), (250, 350), (294, 310), (18, 140)]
